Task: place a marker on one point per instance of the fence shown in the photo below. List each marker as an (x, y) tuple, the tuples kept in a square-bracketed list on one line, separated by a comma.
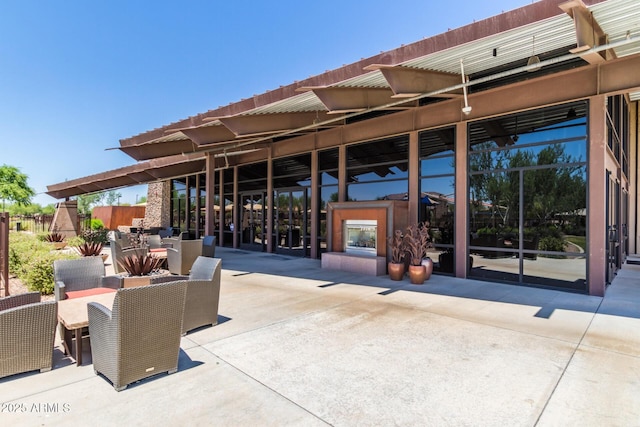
[(42, 223), (30, 223)]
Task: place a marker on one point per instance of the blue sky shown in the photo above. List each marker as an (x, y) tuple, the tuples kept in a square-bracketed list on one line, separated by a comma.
[(78, 76)]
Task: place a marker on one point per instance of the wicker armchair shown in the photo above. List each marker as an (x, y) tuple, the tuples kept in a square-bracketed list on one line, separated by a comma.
[(74, 277), (154, 241), (209, 246), (140, 336), (27, 333), (118, 252), (203, 293), (180, 258), (167, 232)]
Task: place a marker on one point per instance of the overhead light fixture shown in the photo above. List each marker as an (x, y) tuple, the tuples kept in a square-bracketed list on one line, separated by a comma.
[(533, 59), (467, 108)]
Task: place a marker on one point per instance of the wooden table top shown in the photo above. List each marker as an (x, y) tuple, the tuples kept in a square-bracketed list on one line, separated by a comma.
[(73, 314)]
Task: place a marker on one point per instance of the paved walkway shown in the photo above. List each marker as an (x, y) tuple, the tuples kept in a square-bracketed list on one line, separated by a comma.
[(302, 346)]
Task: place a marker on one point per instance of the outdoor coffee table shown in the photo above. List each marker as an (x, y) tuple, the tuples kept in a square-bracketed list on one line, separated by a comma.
[(74, 316)]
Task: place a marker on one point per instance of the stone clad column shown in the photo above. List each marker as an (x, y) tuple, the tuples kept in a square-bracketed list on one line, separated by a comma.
[(158, 210)]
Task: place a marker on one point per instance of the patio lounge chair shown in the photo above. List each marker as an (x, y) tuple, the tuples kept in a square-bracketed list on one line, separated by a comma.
[(167, 232), (118, 252), (209, 246), (203, 293), (154, 241), (27, 333), (81, 277), (182, 255), (140, 336)]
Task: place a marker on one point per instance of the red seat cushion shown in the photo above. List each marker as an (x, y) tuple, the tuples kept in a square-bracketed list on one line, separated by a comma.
[(88, 292)]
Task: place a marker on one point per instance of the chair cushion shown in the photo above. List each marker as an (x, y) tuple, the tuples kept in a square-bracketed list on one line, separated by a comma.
[(88, 292)]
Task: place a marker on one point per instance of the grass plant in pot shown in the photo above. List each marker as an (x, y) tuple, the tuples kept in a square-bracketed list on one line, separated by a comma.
[(91, 249), (57, 239), (415, 244), (396, 264), (139, 269), (426, 242)]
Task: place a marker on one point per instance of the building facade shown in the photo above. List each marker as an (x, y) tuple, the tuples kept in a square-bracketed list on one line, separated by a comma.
[(523, 165)]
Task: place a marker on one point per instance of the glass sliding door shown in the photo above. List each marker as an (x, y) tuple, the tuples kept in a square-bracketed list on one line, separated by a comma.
[(291, 218), (292, 205), (252, 221), (613, 227)]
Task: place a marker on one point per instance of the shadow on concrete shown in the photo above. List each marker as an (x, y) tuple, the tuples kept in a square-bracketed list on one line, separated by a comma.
[(184, 363), (245, 263)]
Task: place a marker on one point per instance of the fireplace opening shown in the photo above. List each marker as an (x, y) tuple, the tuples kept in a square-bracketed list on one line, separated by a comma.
[(360, 236)]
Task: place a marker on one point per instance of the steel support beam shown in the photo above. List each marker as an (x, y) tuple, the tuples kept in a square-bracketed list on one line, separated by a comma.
[(409, 82)]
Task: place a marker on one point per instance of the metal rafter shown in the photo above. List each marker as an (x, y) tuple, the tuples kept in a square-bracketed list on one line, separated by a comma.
[(261, 124), (409, 82), (350, 99)]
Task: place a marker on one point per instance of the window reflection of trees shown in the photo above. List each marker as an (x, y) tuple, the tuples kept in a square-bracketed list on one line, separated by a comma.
[(437, 181), (554, 183), (528, 194)]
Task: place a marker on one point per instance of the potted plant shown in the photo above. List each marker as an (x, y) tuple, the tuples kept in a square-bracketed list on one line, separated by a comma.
[(57, 239), (396, 264), (91, 249), (139, 269), (417, 242), (426, 243)]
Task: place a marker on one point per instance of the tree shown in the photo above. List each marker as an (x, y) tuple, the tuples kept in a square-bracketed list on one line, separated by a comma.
[(14, 187), (87, 201), (112, 198)]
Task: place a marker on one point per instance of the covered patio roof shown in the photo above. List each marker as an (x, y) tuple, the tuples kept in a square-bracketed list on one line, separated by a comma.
[(140, 173), (490, 53)]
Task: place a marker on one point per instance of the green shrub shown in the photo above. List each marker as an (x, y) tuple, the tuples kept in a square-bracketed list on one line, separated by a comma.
[(549, 231), (22, 247), (96, 236), (486, 231), (97, 224), (31, 260), (75, 241), (39, 275), (552, 244)]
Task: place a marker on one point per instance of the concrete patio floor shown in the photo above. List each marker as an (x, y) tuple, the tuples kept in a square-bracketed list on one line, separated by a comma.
[(299, 345)]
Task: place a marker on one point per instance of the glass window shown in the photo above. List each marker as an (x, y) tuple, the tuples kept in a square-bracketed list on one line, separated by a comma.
[(527, 197), (328, 161), (437, 193), (378, 170), (251, 177), (293, 171)]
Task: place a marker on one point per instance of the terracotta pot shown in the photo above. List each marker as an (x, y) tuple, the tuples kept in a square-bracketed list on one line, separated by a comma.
[(396, 270), (417, 274), (428, 265)]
